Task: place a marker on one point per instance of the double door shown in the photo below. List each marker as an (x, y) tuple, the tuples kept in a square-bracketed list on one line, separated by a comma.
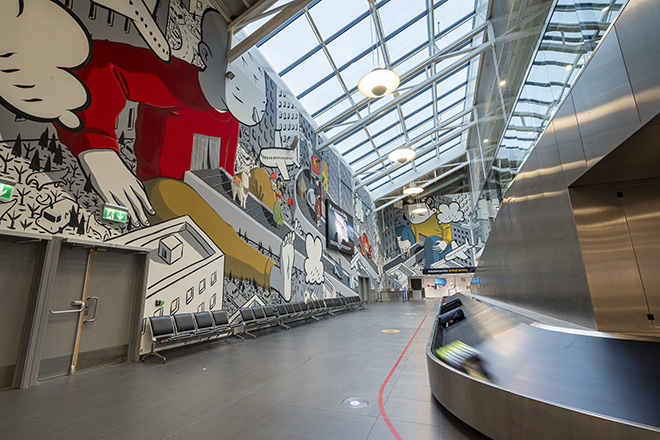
[(91, 310)]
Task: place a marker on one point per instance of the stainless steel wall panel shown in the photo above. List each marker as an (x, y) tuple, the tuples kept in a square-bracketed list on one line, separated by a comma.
[(570, 279), (636, 158), (528, 244), (617, 295), (641, 204), (604, 104), (641, 53), (548, 257), (569, 143), (549, 163)]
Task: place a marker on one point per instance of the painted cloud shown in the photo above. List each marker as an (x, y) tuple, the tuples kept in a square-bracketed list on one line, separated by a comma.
[(450, 213)]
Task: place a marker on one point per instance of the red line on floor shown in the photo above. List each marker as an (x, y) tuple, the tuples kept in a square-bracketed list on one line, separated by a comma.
[(387, 379)]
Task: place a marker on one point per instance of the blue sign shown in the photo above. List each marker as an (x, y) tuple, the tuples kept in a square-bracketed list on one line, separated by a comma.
[(475, 280), (440, 281)]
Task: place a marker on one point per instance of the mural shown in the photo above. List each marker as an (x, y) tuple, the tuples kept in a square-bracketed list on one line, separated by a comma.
[(444, 238), (133, 103)]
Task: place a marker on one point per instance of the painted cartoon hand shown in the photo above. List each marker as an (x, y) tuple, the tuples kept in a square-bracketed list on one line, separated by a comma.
[(116, 183)]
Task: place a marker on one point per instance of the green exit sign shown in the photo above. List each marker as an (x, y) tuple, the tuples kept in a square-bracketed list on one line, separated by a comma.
[(6, 189), (115, 213)]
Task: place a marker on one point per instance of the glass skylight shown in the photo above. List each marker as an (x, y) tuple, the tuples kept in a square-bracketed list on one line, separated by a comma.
[(322, 52)]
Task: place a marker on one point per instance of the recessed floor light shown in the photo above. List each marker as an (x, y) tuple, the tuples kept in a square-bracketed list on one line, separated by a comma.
[(355, 402)]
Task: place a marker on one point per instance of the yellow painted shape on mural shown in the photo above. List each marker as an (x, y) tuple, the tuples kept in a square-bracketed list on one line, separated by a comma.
[(430, 227), (411, 313), (390, 330), (261, 187)]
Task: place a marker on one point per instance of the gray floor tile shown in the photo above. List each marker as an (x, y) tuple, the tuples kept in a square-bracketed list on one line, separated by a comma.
[(150, 428), (63, 434), (208, 428), (24, 429), (289, 419), (284, 384), (340, 426), (406, 430), (407, 391)]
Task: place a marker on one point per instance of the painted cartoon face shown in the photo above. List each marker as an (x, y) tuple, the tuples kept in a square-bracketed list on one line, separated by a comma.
[(421, 218), (239, 87), (245, 90)]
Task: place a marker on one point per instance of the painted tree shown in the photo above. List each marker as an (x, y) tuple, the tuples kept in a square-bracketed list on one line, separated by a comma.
[(88, 186), (5, 161), (25, 224), (17, 150), (35, 163), (122, 139), (52, 145), (20, 171), (73, 218), (28, 149), (33, 208), (43, 140), (13, 216), (47, 166), (22, 192), (58, 159), (81, 226)]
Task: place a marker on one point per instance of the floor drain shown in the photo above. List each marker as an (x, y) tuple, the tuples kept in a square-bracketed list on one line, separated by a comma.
[(355, 402)]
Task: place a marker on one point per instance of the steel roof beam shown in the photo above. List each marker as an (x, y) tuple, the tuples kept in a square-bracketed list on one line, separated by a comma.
[(445, 53), (441, 141), (262, 32), (421, 137), (403, 97), (435, 179)]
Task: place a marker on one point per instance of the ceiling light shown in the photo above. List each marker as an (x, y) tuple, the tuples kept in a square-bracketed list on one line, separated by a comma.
[(502, 83), (605, 9), (568, 67), (486, 140), (412, 190), (379, 82), (401, 155), (419, 208)]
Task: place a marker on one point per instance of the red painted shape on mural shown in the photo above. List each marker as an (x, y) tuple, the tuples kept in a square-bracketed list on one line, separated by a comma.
[(171, 109)]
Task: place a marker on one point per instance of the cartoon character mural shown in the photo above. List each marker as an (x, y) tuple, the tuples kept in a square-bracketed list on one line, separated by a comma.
[(142, 118), (441, 238)]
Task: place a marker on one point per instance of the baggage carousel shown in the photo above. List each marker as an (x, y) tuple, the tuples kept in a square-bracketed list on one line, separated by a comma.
[(544, 383)]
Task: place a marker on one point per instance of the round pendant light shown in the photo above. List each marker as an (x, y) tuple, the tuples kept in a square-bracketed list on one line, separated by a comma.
[(419, 208), (401, 155), (379, 82), (412, 190)]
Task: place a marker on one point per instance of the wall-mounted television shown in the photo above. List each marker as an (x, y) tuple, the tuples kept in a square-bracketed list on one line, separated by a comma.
[(339, 229), (440, 281)]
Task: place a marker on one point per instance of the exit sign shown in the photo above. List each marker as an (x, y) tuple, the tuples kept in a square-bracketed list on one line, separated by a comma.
[(115, 213), (6, 189)]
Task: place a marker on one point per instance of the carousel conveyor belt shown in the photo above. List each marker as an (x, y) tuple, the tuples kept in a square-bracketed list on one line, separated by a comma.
[(611, 378)]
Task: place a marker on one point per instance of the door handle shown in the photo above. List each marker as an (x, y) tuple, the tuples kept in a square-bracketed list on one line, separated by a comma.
[(96, 308)]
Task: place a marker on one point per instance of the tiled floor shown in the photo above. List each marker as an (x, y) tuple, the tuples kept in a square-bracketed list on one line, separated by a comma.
[(283, 385)]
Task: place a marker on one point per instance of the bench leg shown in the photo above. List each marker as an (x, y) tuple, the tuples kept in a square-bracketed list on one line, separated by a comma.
[(315, 318), (249, 334), (331, 314), (281, 324), (235, 335), (153, 353)]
